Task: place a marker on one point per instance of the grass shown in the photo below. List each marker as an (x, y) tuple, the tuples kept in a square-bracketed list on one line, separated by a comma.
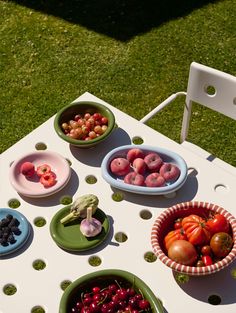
[(51, 54)]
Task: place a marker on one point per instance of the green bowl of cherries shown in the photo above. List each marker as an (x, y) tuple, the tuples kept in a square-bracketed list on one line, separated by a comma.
[(84, 124), (111, 291)]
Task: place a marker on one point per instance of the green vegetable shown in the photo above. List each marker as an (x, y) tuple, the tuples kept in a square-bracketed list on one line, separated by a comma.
[(79, 208)]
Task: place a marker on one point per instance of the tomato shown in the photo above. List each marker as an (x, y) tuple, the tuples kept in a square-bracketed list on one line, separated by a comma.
[(207, 260), (104, 120), (97, 116), (178, 223), (206, 250), (173, 235), (200, 263), (221, 244), (218, 224), (196, 229), (182, 252)]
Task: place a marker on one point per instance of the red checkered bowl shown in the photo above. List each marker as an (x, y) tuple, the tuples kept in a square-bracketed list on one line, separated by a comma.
[(164, 223)]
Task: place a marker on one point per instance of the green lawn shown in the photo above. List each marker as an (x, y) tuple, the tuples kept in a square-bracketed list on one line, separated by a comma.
[(130, 56)]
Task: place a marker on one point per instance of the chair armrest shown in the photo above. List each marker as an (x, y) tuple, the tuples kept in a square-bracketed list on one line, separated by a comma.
[(162, 105)]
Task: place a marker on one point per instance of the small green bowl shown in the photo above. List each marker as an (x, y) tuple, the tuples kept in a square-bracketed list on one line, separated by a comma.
[(102, 279), (81, 107)]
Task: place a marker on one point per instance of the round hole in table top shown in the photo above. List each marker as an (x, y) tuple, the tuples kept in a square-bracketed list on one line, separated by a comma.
[(90, 179), (69, 236), (40, 221), (38, 309), (20, 239), (94, 260), (145, 214), (14, 203), (40, 146), (150, 257), (66, 200), (137, 140), (121, 237), (39, 265), (220, 188), (117, 196), (65, 283), (9, 289)]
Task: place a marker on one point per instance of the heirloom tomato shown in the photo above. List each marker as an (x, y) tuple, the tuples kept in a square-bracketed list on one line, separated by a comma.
[(173, 235), (218, 223), (196, 229), (221, 244), (182, 252)]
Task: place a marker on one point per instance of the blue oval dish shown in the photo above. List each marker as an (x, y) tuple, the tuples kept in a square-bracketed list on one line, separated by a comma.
[(166, 155), (24, 231)]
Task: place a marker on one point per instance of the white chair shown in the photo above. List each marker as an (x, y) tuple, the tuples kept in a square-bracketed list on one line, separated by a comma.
[(208, 87)]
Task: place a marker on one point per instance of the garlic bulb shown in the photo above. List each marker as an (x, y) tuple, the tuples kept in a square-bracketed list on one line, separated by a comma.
[(90, 226)]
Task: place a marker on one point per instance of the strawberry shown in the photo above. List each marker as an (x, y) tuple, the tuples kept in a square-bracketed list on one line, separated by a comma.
[(43, 169), (48, 179)]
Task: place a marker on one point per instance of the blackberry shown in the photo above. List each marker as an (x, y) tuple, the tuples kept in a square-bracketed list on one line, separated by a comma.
[(11, 239), (4, 242), (14, 222), (5, 234), (15, 230), (4, 222), (9, 217)]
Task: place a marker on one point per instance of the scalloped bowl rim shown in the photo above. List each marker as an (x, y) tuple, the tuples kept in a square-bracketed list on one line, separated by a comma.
[(142, 189), (192, 270), (77, 142)]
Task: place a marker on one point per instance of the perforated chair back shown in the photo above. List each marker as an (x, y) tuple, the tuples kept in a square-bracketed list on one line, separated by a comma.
[(211, 88)]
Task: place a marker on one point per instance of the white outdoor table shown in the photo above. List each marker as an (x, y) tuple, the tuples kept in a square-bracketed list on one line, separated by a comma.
[(205, 182)]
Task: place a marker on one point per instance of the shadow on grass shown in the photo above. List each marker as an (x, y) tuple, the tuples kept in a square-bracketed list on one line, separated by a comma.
[(119, 19)]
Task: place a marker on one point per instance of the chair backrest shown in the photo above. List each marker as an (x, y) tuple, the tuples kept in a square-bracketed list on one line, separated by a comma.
[(211, 88)]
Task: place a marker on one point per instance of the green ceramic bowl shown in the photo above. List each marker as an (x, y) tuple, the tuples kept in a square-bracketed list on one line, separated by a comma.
[(81, 107), (69, 236), (102, 279)]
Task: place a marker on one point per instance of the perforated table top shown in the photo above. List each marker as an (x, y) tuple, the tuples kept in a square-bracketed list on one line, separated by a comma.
[(131, 220)]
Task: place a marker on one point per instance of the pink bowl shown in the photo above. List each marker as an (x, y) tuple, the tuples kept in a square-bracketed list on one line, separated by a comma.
[(31, 187), (163, 225)]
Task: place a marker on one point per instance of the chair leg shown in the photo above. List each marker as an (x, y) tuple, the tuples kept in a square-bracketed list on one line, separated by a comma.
[(186, 120)]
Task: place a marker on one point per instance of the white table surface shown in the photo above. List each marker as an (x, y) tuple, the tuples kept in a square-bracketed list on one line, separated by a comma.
[(211, 184)]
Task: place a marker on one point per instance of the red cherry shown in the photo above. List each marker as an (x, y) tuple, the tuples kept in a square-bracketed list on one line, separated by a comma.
[(144, 304), (112, 288), (96, 289)]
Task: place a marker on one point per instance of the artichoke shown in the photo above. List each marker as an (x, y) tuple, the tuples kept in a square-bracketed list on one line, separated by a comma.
[(79, 208)]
